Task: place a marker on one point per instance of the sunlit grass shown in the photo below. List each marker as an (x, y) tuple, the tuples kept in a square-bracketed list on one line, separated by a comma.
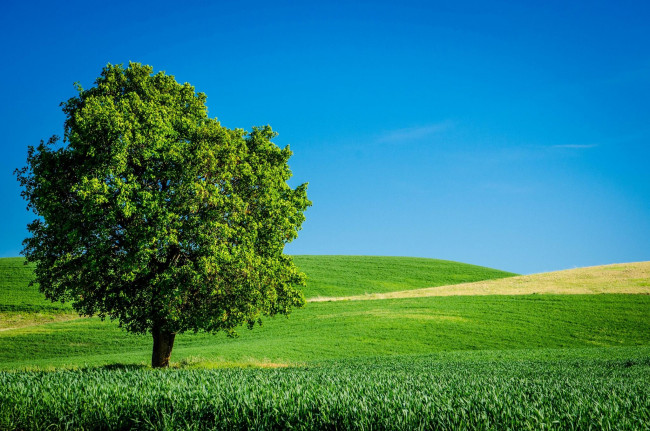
[(575, 391), (337, 330), (423, 362), (358, 275), (626, 278)]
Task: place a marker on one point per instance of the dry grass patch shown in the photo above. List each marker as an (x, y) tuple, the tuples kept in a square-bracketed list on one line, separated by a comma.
[(22, 319), (629, 278), (194, 362)]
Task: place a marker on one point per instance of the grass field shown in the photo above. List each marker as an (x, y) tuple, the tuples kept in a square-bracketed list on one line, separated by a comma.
[(15, 293), (327, 276), (485, 357), (335, 330), (356, 275), (628, 278)]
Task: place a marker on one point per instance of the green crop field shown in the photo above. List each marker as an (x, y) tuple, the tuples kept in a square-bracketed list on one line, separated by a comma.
[(483, 360), (582, 391)]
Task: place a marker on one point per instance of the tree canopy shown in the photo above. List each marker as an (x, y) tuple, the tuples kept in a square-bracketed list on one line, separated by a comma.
[(153, 214)]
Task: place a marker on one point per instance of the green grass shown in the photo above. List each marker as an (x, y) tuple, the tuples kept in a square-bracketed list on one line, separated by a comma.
[(358, 275), (326, 276), (15, 292), (576, 391), (438, 362), (337, 330), (38, 336)]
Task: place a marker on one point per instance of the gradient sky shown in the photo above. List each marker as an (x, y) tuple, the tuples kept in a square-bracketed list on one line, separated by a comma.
[(514, 135)]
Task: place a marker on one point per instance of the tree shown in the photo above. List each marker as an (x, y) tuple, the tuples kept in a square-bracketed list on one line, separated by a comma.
[(153, 214)]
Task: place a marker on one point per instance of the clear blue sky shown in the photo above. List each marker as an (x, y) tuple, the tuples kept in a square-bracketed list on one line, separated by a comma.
[(508, 134)]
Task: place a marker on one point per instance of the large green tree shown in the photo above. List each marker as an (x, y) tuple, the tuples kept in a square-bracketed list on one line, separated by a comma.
[(153, 214)]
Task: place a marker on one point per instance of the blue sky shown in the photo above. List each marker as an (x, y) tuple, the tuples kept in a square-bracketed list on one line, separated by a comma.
[(514, 135)]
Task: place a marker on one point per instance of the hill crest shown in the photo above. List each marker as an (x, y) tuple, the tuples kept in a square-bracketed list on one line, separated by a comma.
[(622, 278)]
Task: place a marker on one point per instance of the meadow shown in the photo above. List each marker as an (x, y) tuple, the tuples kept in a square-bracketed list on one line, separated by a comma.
[(355, 275), (627, 278), (488, 359), (344, 329), (327, 275)]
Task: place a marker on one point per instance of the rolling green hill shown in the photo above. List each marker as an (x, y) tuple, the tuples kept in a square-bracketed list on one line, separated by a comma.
[(628, 278), (489, 355), (326, 276), (27, 320), (34, 332), (358, 275), (15, 292), (346, 329)]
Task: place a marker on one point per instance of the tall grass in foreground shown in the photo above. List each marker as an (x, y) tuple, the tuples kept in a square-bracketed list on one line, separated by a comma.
[(401, 393)]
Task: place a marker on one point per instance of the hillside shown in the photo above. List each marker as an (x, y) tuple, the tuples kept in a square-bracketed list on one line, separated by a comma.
[(348, 329), (15, 292), (36, 333), (628, 278), (326, 276), (23, 306), (358, 275)]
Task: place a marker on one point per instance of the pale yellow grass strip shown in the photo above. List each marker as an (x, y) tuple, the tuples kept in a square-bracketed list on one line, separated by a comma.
[(23, 319), (632, 278)]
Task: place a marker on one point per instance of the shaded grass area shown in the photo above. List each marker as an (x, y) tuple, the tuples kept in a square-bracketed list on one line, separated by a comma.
[(345, 329), (575, 391), (10, 320), (357, 275)]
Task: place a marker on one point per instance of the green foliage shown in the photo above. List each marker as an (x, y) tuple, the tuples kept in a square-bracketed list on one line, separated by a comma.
[(358, 275), (401, 393), (347, 329), (154, 214)]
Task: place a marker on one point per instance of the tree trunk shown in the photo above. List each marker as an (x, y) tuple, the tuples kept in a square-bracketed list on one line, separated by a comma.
[(163, 342)]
